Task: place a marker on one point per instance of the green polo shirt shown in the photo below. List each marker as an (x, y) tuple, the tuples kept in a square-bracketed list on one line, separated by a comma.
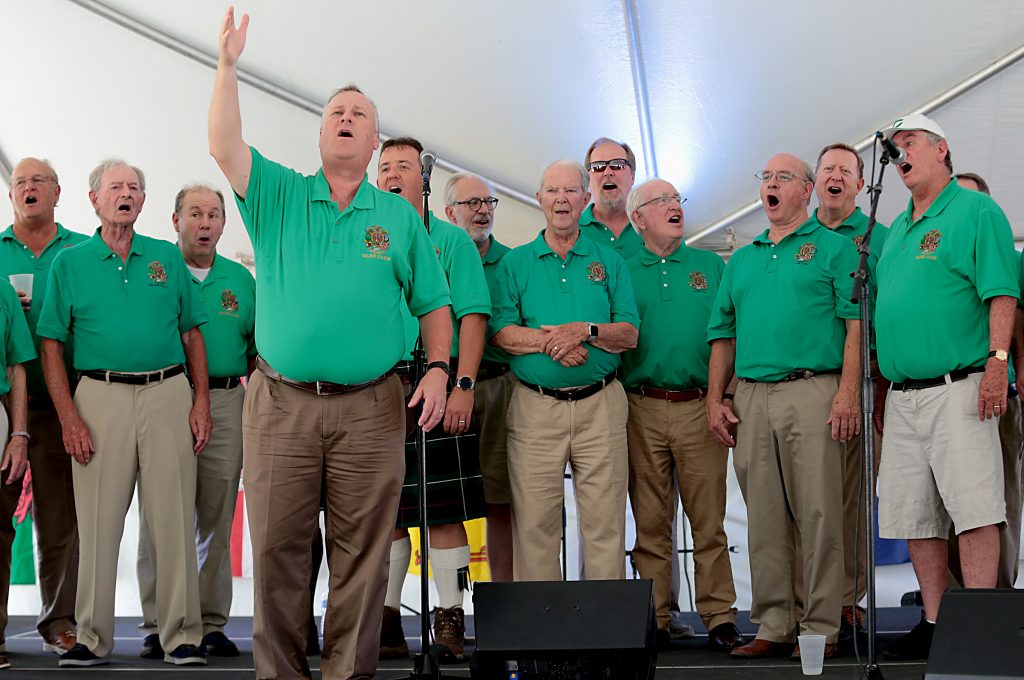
[(123, 316), (674, 295), (17, 258), (17, 338), (935, 278), (627, 244), (495, 252), (228, 294), (786, 303), (535, 287), (331, 284), (460, 261)]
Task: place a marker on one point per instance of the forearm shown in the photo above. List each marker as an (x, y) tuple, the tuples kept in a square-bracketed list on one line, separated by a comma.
[(720, 367), (436, 330), (195, 361), (17, 399), (1001, 315), (850, 377), (519, 340), (615, 337), (472, 328), (51, 357), (225, 117)]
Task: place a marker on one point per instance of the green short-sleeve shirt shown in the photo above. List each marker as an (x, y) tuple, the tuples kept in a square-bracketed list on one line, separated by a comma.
[(492, 258), (17, 258), (786, 303), (229, 296), (535, 287), (330, 284), (17, 339), (460, 261), (123, 316), (935, 277), (674, 295), (627, 244)]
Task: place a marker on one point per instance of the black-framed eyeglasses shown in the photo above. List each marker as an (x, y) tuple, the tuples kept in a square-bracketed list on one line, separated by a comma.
[(781, 175), (664, 199), (475, 203), (615, 164)]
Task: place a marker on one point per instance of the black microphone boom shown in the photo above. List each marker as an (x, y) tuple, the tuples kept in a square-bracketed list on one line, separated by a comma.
[(897, 154)]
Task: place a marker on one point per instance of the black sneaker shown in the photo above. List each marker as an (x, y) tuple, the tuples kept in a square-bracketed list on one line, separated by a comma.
[(80, 655), (914, 645), (151, 648), (186, 655), (216, 643)]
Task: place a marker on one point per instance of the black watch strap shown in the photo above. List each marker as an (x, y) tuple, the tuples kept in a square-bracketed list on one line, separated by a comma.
[(443, 365)]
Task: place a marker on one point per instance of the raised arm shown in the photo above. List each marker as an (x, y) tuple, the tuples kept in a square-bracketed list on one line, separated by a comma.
[(225, 123)]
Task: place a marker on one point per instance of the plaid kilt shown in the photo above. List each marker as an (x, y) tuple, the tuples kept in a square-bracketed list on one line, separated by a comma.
[(455, 487)]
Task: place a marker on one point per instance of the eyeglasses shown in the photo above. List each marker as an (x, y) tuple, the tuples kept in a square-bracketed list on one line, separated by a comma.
[(664, 199), (781, 175), (475, 203), (615, 164)]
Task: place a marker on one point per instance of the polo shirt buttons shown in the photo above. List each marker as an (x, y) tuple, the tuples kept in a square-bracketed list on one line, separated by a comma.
[(775, 257), (563, 280)]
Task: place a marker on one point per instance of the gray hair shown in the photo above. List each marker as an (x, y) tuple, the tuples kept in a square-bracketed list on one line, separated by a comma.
[(179, 199), (449, 187), (576, 165), (97, 173), (633, 199), (48, 164), (934, 139), (352, 87)]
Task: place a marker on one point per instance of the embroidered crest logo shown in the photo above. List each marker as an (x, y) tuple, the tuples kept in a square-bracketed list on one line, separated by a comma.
[(930, 242), (157, 273), (596, 272), (377, 239), (858, 240), (698, 281), (806, 253), (437, 251), (229, 301)]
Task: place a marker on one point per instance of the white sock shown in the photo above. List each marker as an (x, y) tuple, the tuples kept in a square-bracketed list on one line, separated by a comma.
[(401, 551), (446, 563)]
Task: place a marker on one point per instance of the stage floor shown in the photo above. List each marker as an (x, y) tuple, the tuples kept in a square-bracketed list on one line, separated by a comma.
[(686, 659)]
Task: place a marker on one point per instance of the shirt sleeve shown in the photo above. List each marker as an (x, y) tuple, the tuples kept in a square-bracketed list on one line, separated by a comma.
[(466, 278), (19, 347), (55, 317), (423, 281), (620, 292), (262, 210), (250, 321), (504, 299), (995, 271), (722, 322), (191, 312)]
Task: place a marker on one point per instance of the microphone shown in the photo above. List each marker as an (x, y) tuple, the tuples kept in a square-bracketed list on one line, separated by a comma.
[(897, 154), (427, 159)]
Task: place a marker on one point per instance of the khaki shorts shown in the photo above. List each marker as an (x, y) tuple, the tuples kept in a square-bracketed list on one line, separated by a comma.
[(490, 409), (940, 464)]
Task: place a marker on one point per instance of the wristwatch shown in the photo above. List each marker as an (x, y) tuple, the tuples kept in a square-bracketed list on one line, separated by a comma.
[(465, 383), (443, 365), (593, 332), (999, 354)]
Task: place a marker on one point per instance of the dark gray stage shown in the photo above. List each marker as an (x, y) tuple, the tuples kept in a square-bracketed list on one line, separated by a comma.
[(687, 659)]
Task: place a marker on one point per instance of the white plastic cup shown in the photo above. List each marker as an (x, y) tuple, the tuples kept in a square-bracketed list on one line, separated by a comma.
[(812, 653), (23, 284)]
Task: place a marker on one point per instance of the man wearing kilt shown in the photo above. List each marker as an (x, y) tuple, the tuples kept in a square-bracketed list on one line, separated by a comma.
[(453, 476)]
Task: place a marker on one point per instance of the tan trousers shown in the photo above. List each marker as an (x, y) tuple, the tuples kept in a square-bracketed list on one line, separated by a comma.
[(590, 435), (218, 470), (490, 408), (293, 439), (792, 470), (53, 512), (140, 432), (9, 495), (666, 439)]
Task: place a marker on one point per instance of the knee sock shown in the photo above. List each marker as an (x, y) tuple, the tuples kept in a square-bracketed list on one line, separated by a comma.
[(447, 563), (401, 551)]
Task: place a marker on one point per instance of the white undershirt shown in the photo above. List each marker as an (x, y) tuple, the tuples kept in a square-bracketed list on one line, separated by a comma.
[(199, 272)]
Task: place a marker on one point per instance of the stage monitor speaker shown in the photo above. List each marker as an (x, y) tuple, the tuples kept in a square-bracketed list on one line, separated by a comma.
[(564, 630), (979, 634)]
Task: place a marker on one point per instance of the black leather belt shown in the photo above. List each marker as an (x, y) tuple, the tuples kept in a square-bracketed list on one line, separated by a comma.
[(491, 369), (572, 394), (135, 378), (224, 383), (320, 387), (954, 376), (801, 374)]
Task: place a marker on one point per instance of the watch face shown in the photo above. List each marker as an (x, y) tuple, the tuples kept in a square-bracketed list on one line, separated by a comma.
[(464, 383)]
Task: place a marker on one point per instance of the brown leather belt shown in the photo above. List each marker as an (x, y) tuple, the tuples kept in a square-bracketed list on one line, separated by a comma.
[(574, 393), (675, 396), (135, 378), (320, 387)]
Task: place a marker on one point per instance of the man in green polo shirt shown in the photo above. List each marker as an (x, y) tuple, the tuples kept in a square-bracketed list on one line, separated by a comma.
[(16, 348), (130, 308), (666, 379), (564, 310), (947, 293), (455, 484), (612, 167), (470, 204), (228, 293), (334, 258), (27, 249), (784, 324)]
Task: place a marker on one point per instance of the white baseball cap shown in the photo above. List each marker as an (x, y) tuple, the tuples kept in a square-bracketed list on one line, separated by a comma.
[(914, 121)]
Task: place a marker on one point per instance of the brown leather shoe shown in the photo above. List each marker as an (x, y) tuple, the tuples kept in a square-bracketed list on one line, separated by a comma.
[(61, 642), (830, 650), (763, 648)]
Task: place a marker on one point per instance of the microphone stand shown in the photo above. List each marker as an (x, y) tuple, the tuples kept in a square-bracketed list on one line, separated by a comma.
[(862, 295)]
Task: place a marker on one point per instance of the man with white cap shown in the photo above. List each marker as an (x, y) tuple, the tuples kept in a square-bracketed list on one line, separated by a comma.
[(947, 289)]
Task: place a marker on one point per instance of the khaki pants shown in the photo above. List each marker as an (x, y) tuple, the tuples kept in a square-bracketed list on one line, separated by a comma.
[(667, 439), (490, 408), (9, 496), (53, 512), (792, 470), (218, 470), (294, 438), (590, 435), (140, 432)]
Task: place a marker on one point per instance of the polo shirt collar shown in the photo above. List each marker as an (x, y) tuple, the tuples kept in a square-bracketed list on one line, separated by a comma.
[(491, 256), (587, 218), (854, 220), (941, 201), (8, 233), (648, 257), (217, 270), (103, 251), (806, 228), (581, 248), (363, 200)]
